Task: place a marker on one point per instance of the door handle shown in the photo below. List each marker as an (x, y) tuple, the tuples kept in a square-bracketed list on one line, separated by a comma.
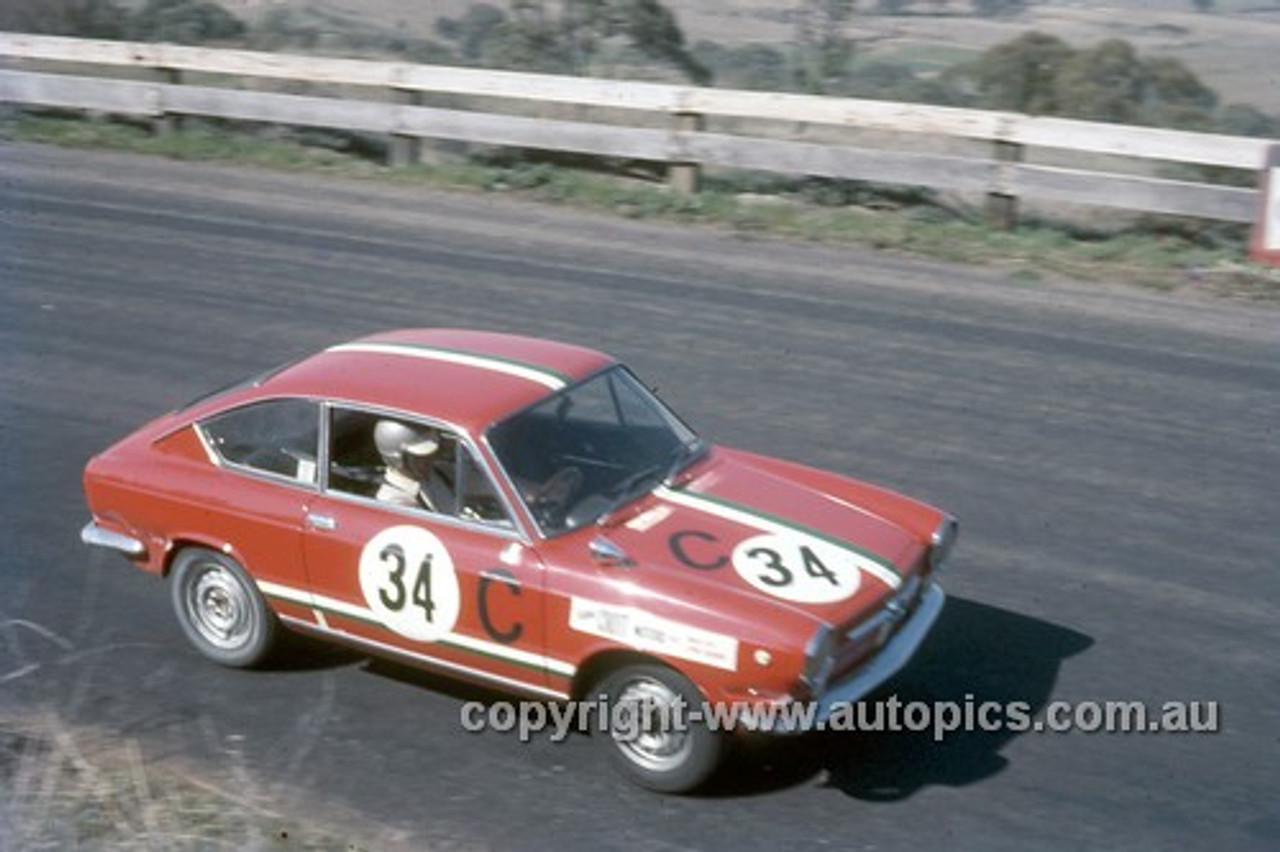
[(326, 523)]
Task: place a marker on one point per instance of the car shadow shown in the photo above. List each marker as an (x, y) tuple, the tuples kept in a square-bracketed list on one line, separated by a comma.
[(455, 688), (299, 652), (976, 653)]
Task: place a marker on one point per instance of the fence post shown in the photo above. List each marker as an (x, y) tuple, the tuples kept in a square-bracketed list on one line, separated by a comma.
[(1002, 204), (405, 150), (683, 176), (167, 122)]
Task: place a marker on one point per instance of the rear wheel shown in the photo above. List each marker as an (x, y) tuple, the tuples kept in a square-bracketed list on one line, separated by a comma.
[(651, 738), (220, 608)]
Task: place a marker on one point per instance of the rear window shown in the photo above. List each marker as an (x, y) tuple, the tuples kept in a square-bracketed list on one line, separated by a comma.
[(279, 437)]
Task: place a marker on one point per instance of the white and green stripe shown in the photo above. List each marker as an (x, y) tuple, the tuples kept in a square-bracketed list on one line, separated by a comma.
[(876, 565), (322, 604), (542, 375)]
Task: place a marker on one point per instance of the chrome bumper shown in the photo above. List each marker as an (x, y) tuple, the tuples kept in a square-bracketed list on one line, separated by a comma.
[(887, 662), (890, 659), (97, 536)]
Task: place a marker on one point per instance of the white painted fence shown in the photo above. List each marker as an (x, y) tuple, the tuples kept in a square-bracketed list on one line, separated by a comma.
[(52, 72)]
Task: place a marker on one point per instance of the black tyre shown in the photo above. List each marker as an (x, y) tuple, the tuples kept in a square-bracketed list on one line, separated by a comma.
[(220, 609), (652, 740)]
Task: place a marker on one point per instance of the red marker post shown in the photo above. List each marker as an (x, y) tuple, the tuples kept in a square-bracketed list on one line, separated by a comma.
[(1265, 246)]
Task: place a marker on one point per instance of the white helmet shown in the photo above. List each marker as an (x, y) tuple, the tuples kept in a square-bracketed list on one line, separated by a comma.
[(395, 439)]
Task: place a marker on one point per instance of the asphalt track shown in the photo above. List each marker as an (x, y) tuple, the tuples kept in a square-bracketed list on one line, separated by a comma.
[(1112, 454)]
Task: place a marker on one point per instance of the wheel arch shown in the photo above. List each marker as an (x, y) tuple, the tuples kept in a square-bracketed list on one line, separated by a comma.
[(185, 541), (601, 664)]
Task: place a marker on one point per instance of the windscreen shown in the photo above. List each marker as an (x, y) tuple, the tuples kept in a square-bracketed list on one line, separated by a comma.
[(591, 448)]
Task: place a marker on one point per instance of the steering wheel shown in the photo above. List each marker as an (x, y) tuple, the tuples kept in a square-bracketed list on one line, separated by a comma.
[(549, 499)]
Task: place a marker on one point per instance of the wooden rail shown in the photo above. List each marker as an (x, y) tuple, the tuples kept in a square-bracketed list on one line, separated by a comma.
[(52, 71)]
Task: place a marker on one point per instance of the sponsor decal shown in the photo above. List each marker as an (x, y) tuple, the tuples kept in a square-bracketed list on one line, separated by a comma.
[(649, 518), (647, 632)]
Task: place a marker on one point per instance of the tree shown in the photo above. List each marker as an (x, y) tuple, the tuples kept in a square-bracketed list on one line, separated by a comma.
[(1174, 97), (747, 66), (529, 39), (184, 22), (1041, 74), (1104, 83), (1242, 120), (84, 18), (475, 31), (999, 8), (654, 31), (892, 7), (1169, 81), (1020, 75), (567, 37), (823, 47)]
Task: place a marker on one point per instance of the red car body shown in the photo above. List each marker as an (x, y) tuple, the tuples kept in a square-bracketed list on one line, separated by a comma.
[(758, 581)]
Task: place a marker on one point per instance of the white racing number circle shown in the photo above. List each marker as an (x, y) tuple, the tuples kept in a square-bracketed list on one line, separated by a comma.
[(409, 582), (799, 568)]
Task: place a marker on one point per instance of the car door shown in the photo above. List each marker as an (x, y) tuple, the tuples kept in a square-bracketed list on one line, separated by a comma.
[(454, 587)]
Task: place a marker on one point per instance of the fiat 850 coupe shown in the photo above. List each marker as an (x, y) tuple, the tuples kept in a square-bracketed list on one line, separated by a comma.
[(526, 515)]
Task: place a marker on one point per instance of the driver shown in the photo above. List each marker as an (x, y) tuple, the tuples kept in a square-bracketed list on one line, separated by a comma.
[(409, 454)]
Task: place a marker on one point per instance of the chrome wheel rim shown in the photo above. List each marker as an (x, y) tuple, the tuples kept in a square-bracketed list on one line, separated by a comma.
[(220, 608), (656, 736)]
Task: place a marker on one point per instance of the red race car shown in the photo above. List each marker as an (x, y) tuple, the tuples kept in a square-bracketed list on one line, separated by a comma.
[(527, 515)]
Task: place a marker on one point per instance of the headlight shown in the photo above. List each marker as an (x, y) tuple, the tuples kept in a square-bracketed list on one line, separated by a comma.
[(944, 538)]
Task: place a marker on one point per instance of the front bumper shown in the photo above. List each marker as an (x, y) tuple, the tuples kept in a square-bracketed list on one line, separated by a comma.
[(888, 661), (891, 658)]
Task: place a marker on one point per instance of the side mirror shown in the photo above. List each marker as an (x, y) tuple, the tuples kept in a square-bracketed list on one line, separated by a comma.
[(604, 552)]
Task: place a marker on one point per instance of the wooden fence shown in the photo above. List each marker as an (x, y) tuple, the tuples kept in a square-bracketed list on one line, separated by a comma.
[(672, 124)]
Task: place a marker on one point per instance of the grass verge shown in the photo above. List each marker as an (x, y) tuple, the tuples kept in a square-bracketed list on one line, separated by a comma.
[(1167, 255), (73, 790)]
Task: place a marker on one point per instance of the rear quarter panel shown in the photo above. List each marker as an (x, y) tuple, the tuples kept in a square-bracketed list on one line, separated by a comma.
[(168, 493)]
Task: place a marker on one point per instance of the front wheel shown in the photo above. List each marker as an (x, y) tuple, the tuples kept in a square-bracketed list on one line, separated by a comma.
[(220, 609), (651, 737)]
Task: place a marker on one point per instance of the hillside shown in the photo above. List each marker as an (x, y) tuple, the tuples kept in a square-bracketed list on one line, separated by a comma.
[(1231, 48)]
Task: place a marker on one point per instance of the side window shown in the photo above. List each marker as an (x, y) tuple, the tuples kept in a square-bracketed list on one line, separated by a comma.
[(406, 463), (278, 437)]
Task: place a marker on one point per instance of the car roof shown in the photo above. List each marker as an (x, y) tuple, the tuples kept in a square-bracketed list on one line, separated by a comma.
[(466, 378)]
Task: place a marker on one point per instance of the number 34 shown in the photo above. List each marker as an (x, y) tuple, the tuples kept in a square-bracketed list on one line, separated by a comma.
[(778, 574), (397, 596)]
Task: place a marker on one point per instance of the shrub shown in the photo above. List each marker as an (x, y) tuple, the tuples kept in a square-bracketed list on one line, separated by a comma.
[(184, 22)]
